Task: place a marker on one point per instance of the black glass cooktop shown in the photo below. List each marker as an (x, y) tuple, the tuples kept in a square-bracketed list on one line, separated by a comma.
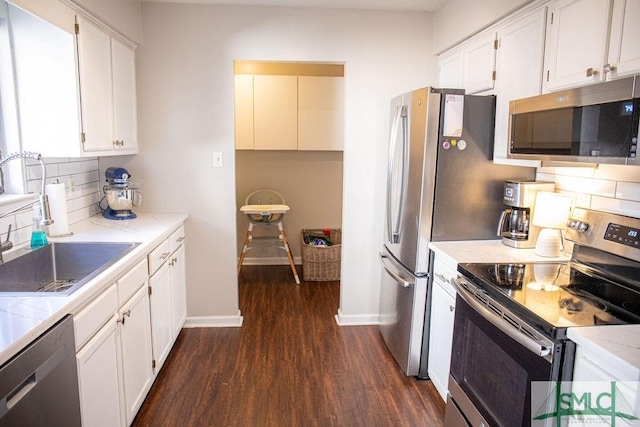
[(554, 297)]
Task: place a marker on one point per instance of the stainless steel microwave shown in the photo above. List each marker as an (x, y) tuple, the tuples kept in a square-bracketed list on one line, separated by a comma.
[(591, 124)]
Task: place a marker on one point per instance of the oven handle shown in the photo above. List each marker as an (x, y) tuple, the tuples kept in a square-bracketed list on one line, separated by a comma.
[(534, 346)]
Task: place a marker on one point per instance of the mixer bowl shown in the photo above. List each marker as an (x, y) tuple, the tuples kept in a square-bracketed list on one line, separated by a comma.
[(122, 199)]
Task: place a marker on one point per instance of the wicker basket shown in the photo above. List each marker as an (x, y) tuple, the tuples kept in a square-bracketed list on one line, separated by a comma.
[(321, 263)]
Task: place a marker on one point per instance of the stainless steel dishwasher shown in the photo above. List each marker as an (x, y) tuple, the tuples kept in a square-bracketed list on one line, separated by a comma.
[(39, 386)]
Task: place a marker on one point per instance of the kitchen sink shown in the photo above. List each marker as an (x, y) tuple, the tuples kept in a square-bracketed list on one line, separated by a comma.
[(58, 268)]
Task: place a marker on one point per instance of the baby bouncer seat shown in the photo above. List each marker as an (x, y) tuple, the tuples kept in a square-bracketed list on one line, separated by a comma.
[(266, 208)]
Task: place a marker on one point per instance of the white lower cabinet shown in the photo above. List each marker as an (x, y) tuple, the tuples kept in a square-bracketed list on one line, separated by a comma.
[(124, 335), (161, 314), (135, 338), (443, 302), (99, 380)]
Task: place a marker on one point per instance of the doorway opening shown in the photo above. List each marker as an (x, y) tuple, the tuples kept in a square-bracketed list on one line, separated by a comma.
[(289, 130)]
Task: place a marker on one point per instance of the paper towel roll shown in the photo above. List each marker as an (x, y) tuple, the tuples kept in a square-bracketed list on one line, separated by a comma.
[(58, 207)]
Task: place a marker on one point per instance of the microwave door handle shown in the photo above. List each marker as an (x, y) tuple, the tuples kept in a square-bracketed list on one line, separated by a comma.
[(402, 282), (529, 343), (393, 227)]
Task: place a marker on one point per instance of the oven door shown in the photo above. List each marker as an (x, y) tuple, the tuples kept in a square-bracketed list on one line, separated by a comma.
[(493, 363)]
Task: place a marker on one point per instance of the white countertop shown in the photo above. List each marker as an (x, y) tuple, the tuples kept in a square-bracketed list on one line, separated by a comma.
[(618, 344), (487, 251), (24, 318)]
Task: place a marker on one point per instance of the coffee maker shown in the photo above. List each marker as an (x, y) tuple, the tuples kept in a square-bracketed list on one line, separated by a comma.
[(515, 227)]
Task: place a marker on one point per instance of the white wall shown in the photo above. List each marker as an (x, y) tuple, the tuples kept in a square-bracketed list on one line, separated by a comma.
[(185, 107), (458, 19)]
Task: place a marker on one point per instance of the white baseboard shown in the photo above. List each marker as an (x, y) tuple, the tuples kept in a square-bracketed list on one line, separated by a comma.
[(213, 321), (271, 261), (356, 319)]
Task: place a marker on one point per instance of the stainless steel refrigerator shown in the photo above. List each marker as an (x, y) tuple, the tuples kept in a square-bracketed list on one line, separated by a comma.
[(441, 185)]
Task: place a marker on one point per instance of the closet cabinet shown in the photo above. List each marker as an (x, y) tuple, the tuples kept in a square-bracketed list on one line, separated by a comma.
[(108, 91), (320, 113), (275, 112), (479, 59)]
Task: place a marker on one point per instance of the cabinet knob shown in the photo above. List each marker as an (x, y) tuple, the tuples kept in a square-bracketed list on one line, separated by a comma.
[(451, 308), (591, 72), (165, 255), (608, 68), (124, 314)]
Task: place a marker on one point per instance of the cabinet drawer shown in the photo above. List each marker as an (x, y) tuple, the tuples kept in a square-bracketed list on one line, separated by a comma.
[(158, 256), (445, 274), (176, 239), (131, 282), (93, 316)]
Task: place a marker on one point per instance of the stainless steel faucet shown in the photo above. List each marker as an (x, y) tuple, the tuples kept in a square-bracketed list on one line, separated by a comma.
[(43, 199)]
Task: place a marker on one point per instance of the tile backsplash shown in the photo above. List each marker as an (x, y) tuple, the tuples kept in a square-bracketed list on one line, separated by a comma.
[(607, 188), (82, 187)]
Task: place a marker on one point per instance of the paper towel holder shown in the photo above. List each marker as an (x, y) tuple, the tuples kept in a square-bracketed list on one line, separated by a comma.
[(58, 204)]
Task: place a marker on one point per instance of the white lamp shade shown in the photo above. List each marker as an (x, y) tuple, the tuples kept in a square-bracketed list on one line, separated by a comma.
[(551, 213)]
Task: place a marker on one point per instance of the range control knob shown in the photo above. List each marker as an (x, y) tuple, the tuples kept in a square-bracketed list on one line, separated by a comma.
[(579, 226), (582, 226)]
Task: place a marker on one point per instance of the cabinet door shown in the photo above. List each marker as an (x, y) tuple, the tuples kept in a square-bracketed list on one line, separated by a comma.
[(46, 85), (320, 113), (440, 337), (624, 47), (479, 63), (94, 63), (162, 329), (450, 68), (99, 379), (519, 66), (178, 287), (243, 94), (137, 358), (578, 37), (275, 109), (124, 96)]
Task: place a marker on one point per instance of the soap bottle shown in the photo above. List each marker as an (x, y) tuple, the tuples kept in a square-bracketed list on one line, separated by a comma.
[(38, 236)]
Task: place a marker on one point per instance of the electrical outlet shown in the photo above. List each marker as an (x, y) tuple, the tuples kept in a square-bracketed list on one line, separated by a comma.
[(217, 159)]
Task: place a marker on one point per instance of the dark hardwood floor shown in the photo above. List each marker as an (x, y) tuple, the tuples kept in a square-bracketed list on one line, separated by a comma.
[(288, 365)]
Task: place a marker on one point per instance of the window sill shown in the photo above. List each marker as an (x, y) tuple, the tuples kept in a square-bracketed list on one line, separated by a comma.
[(8, 199)]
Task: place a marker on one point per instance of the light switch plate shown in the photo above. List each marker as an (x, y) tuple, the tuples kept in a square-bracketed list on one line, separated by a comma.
[(217, 159)]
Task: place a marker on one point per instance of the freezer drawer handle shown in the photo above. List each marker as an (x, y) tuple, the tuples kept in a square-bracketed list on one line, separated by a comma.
[(402, 282)]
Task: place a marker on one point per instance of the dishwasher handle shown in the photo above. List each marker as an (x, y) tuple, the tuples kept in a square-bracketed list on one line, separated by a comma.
[(401, 281)]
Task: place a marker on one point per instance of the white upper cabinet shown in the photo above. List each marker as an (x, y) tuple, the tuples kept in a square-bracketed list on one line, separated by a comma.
[(450, 65), (46, 84), (107, 87), (519, 66), (479, 58), (577, 42), (275, 110), (624, 45), (320, 113)]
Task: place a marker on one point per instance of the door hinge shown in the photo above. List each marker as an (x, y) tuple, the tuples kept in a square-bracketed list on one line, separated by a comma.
[(547, 75), (153, 364), (495, 44), (551, 19), (150, 291), (77, 28), (83, 137), (493, 75)]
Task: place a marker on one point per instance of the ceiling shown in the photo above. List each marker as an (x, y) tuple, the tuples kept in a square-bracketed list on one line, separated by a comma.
[(398, 5)]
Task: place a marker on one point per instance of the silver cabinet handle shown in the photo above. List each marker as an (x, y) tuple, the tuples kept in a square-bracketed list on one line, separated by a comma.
[(180, 239), (165, 255), (609, 68), (402, 282), (591, 72), (124, 314)]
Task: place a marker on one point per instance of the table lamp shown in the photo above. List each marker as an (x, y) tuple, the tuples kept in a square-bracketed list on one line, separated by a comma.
[(551, 213)]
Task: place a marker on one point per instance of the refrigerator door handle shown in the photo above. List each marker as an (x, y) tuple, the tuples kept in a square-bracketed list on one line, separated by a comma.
[(394, 222), (401, 281)]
